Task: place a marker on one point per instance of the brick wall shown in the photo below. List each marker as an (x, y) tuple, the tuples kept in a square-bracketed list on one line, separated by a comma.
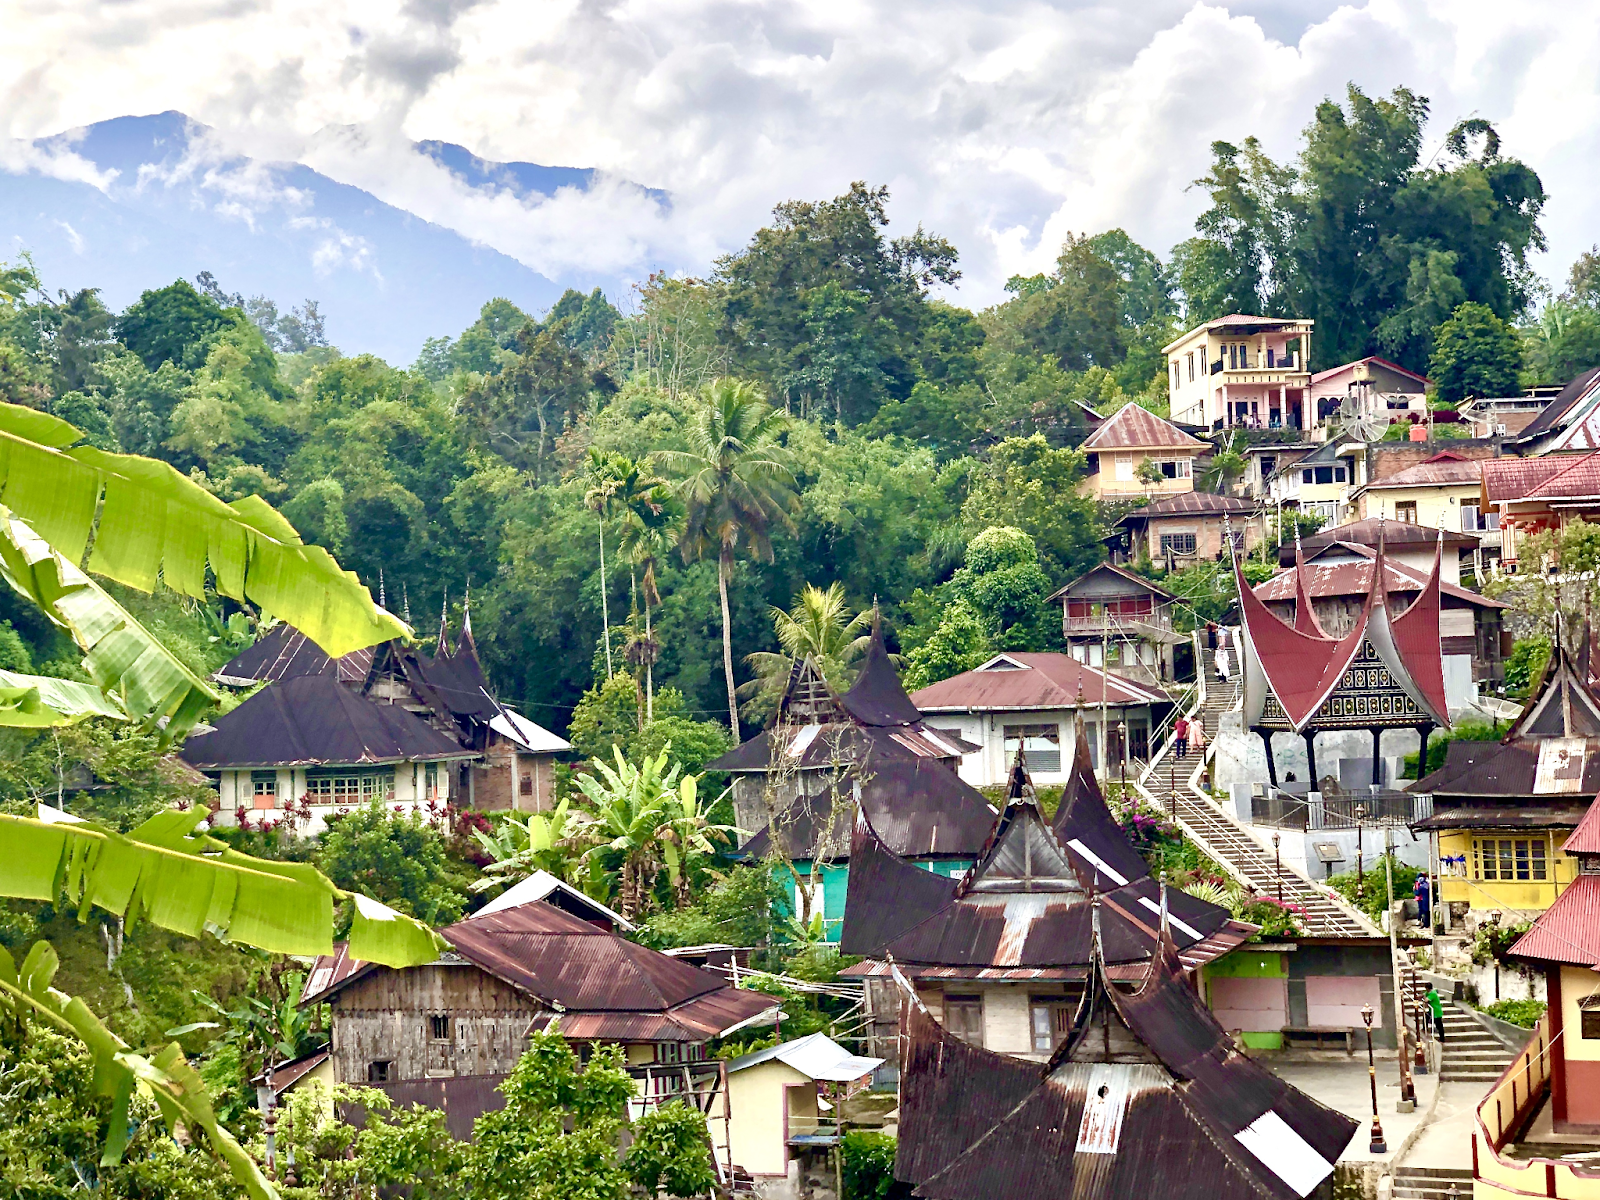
[(1390, 458)]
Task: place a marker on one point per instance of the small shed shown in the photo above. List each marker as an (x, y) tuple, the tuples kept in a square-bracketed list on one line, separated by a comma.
[(774, 1100)]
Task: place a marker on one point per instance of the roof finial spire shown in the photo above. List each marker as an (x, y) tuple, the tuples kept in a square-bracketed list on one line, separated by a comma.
[(383, 599), (444, 626), (405, 602), (466, 613)]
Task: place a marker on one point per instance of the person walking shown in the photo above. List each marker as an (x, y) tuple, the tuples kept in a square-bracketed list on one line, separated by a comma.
[(1437, 1007), (1180, 733), (1197, 736)]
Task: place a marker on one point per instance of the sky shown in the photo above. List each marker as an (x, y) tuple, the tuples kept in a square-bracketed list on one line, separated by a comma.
[(1002, 125)]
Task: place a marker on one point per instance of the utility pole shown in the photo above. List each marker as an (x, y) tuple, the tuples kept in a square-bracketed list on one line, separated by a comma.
[(1408, 1089), (1105, 667)]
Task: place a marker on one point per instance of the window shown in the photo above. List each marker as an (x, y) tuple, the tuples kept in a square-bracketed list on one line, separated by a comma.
[(1191, 366), (1124, 472), (1269, 464), (264, 789), (347, 787), (526, 785), (1589, 1019), (1177, 543), (1050, 1022), (381, 1071), (1174, 376), (1041, 745), (1406, 510), (1177, 468), (439, 1028), (1509, 860), (430, 781), (963, 1017), (1338, 474)]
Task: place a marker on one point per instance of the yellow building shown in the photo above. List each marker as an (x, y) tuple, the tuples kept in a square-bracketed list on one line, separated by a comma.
[(1502, 811), (1442, 492), (1243, 371), (1538, 1129), (1118, 451), (775, 1101)]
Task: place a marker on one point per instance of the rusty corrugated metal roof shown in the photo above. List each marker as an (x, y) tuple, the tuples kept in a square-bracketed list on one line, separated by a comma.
[(1352, 579), (283, 652), (1135, 428), (1019, 680), (1550, 416), (1206, 504)]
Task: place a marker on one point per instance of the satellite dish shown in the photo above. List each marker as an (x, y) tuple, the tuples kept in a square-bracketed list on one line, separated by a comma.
[(1358, 423)]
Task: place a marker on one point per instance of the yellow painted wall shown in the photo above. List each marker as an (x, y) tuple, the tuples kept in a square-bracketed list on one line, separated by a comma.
[(1490, 894), (1434, 505), (1105, 482), (755, 1126), (1577, 983)]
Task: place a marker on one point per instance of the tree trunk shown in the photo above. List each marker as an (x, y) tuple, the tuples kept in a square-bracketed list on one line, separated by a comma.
[(649, 668), (605, 613), (724, 566)]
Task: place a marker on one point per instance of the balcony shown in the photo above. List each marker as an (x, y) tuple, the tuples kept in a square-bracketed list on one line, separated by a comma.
[(1254, 364)]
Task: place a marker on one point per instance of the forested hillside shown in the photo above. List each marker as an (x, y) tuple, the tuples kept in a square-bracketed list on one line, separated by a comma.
[(492, 463)]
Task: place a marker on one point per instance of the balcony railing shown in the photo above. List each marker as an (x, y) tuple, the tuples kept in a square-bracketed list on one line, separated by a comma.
[(1288, 363)]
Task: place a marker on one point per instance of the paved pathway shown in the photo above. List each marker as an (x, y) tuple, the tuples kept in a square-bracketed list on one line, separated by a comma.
[(1221, 838)]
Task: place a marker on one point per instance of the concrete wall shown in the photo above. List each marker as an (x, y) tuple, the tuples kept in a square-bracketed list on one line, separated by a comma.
[(991, 766), (236, 791)]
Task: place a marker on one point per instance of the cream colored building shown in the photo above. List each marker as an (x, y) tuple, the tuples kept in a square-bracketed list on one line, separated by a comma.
[(1443, 492), (1243, 372), (1118, 450), (775, 1102)]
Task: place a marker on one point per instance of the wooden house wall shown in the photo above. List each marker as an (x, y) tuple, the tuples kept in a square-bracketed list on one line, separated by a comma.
[(385, 1017)]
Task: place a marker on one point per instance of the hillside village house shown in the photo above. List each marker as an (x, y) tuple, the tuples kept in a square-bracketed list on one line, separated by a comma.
[(1243, 372), (1318, 485), (1109, 615), (1378, 386), (1265, 459), (1531, 495), (1179, 531), (1030, 700), (1505, 416), (1568, 423), (1441, 492), (1412, 546), (1120, 447)]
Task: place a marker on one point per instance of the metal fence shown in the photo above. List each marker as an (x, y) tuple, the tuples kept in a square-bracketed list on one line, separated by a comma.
[(1287, 810)]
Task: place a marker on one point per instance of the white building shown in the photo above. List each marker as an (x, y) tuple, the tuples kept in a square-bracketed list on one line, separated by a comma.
[(1031, 699)]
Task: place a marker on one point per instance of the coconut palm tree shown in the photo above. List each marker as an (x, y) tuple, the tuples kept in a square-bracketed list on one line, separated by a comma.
[(820, 627), (605, 474), (650, 529), (735, 484)]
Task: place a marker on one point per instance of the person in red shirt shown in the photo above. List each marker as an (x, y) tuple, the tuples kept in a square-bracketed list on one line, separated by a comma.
[(1180, 731)]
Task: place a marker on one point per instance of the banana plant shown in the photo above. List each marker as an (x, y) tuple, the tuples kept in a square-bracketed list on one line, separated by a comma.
[(686, 833), (543, 842), (629, 806)]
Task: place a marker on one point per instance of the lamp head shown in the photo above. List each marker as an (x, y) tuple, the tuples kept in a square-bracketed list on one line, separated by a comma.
[(1361, 812)]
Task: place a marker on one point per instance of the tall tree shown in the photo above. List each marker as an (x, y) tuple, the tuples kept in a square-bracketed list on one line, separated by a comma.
[(1475, 353), (736, 484), (818, 627)]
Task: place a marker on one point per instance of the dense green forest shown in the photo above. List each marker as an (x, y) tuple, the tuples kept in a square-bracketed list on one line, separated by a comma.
[(498, 461)]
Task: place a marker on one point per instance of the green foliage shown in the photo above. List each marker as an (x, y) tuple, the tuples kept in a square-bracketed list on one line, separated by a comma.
[(1526, 665), (960, 642), (1438, 745), (1475, 353), (1492, 943), (1369, 891), (1525, 1013), (818, 627), (610, 714), (171, 324), (54, 1122), (401, 860), (669, 1152), (737, 910), (867, 1161)]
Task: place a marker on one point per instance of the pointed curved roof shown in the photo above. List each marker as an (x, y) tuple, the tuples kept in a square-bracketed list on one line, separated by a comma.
[(1147, 1097), (877, 697), (283, 652), (1084, 825)]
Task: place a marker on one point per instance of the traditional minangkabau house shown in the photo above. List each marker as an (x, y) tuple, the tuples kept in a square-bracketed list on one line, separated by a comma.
[(309, 748), (1002, 954), (447, 1033), (1538, 1130), (1145, 1095), (1502, 810), (506, 760), (798, 784)]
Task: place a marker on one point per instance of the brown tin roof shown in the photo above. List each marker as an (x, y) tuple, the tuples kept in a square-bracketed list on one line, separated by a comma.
[(1550, 415), (1353, 579), (283, 652), (1018, 680), (1136, 428), (1197, 504)]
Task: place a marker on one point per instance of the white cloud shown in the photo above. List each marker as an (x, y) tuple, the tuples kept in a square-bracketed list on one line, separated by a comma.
[(1002, 124)]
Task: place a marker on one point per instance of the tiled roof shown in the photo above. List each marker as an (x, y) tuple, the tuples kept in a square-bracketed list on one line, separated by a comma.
[(1579, 480), (1353, 578), (1030, 681), (1135, 428), (1513, 478)]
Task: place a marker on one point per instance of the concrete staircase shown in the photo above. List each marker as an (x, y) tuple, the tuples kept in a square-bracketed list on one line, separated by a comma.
[(1432, 1183), (1167, 784), (1471, 1052)]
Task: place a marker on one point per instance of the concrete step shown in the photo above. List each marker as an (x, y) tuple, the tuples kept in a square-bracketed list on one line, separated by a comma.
[(1424, 1174)]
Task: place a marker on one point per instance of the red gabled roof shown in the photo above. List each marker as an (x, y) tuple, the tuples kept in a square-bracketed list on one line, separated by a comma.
[(1417, 644), (1371, 358), (1513, 478), (1579, 479), (1133, 427), (1585, 839), (1031, 680), (1569, 930)]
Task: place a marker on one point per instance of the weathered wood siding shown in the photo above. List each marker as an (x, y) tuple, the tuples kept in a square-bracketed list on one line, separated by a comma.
[(386, 1017)]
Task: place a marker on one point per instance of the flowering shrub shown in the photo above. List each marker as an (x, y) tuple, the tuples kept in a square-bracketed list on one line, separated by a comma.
[(1276, 920)]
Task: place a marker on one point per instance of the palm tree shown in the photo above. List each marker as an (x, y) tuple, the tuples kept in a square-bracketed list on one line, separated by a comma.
[(650, 529), (605, 474), (819, 627), (736, 484)]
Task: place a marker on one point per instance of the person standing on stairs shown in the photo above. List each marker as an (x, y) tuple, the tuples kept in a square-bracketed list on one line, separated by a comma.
[(1437, 1007), (1180, 734), (1197, 736)]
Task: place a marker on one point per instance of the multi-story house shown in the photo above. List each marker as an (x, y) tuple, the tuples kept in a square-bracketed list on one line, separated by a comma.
[(1243, 372)]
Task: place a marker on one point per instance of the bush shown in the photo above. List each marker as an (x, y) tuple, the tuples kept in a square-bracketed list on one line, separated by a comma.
[(1525, 1013), (868, 1165), (1438, 745), (1526, 665), (400, 860), (1373, 896)]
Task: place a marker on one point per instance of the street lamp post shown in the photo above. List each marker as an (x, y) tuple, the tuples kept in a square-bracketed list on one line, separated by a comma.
[(1377, 1144), (1361, 891), (1277, 863)]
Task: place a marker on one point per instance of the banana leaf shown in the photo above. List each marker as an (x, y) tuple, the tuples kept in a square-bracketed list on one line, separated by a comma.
[(167, 1078), (154, 522), (166, 873), (39, 701), (145, 680)]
